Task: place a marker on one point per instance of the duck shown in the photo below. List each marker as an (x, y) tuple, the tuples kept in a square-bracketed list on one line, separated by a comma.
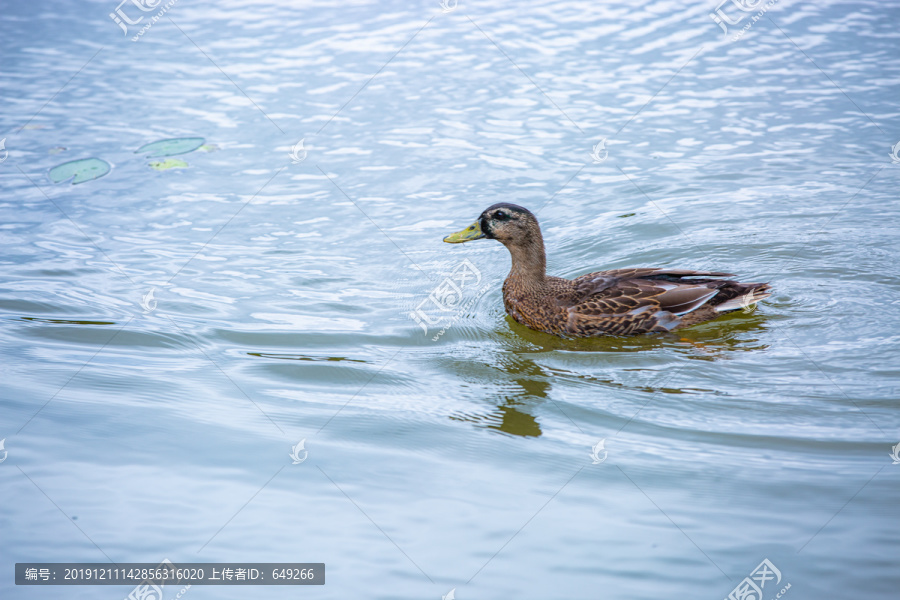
[(619, 302)]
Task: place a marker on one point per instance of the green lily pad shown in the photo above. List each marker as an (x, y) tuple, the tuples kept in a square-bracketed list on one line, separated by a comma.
[(171, 147), (82, 170), (169, 163), (209, 147)]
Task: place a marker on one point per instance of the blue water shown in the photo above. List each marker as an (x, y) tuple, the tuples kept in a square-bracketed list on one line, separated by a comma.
[(142, 426)]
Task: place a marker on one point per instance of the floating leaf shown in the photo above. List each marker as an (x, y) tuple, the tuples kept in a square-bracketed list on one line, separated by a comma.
[(209, 147), (171, 147), (169, 163), (82, 170)]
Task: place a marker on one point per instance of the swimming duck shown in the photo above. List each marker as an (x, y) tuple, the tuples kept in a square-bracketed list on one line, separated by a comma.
[(617, 302)]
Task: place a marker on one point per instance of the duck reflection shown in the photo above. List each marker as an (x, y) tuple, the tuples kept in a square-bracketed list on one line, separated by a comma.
[(528, 384), (702, 342), (507, 419)]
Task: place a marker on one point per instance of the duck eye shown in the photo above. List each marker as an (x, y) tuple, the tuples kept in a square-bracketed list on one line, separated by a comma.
[(501, 216)]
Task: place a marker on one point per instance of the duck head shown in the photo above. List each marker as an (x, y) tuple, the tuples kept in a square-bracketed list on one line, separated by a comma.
[(509, 224), (517, 229)]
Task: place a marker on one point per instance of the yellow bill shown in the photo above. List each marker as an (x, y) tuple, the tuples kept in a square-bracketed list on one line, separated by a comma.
[(472, 232)]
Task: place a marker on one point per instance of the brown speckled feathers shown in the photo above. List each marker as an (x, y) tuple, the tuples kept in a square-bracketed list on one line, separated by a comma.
[(618, 302), (625, 301)]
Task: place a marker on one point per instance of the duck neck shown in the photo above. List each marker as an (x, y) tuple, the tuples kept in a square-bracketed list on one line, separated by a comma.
[(529, 262)]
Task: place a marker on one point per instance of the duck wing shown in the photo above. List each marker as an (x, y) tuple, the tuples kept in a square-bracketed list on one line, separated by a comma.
[(629, 301)]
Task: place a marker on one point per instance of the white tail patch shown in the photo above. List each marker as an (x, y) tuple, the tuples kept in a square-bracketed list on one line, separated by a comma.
[(747, 302)]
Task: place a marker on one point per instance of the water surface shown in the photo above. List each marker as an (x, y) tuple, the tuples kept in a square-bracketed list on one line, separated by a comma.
[(146, 427)]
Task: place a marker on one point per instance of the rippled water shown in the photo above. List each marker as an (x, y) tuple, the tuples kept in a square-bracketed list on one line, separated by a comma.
[(140, 428)]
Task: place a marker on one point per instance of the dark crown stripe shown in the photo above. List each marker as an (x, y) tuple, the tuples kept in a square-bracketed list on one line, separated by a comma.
[(509, 207)]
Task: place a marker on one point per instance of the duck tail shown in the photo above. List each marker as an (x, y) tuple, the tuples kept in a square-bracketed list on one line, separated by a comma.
[(750, 295)]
